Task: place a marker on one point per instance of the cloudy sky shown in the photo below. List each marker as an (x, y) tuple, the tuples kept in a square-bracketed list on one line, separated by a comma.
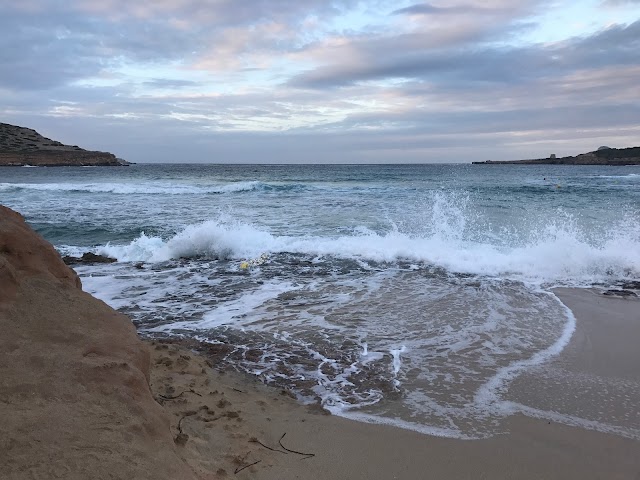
[(320, 81)]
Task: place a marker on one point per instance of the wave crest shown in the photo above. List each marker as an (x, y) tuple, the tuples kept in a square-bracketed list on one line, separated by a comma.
[(135, 188), (558, 252)]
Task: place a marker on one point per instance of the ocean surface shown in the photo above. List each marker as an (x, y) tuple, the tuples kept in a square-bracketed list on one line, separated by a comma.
[(409, 294)]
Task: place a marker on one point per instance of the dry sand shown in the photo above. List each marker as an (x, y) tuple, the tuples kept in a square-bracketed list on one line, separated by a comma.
[(79, 401)]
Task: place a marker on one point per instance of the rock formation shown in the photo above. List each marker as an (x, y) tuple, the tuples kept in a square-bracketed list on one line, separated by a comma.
[(21, 146), (602, 156), (74, 396), (87, 258)]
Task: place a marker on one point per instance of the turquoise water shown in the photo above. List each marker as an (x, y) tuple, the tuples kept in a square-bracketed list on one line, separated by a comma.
[(409, 294)]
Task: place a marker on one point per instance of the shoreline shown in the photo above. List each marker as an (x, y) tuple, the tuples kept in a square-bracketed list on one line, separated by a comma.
[(82, 396), (252, 417)]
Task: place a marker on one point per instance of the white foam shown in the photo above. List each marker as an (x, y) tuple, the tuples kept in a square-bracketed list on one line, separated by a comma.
[(135, 188), (229, 312), (573, 420), (629, 176), (488, 395), (106, 289), (397, 361), (396, 422), (253, 311), (557, 252), (371, 357)]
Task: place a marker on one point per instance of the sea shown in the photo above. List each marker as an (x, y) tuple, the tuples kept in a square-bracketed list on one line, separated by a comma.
[(410, 295)]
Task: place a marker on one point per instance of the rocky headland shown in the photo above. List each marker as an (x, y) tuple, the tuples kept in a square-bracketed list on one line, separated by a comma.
[(602, 156), (20, 146)]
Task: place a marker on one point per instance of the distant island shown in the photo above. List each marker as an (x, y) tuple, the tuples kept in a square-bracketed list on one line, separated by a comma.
[(20, 146), (601, 156)]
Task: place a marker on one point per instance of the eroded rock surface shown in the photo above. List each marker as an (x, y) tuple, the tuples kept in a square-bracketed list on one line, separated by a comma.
[(74, 396)]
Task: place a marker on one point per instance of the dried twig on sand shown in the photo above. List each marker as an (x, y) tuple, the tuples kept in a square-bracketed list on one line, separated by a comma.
[(255, 440), (306, 455), (188, 414), (239, 469), (164, 397)]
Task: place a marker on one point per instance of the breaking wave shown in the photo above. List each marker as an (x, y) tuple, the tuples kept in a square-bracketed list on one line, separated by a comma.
[(136, 188), (557, 252)]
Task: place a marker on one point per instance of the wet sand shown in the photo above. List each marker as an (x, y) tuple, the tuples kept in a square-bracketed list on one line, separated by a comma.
[(228, 424), (597, 375)]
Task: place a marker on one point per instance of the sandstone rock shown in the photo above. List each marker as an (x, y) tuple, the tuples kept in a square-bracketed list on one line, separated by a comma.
[(26, 254), (74, 395)]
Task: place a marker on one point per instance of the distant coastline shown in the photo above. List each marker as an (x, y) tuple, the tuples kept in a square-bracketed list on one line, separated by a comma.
[(21, 147), (602, 156)]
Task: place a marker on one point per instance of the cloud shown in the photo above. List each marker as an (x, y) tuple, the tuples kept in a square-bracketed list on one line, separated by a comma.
[(48, 49), (46, 44), (620, 2), (169, 83), (617, 45), (429, 9), (284, 80)]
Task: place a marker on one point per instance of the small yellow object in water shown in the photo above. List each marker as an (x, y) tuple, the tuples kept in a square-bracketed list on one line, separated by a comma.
[(244, 265)]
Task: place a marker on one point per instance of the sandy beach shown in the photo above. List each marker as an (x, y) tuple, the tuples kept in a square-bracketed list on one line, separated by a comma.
[(232, 421), (82, 397)]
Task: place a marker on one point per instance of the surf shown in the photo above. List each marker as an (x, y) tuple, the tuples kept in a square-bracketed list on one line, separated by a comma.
[(556, 252)]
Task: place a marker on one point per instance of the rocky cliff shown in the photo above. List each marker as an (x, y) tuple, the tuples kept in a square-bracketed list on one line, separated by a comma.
[(75, 401), (604, 156), (21, 146)]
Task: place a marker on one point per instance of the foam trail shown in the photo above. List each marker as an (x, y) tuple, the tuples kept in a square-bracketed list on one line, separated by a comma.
[(488, 395), (397, 362), (573, 420), (135, 188), (230, 312), (396, 422)]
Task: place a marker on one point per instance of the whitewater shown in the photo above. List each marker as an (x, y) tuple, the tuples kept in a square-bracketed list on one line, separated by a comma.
[(408, 294)]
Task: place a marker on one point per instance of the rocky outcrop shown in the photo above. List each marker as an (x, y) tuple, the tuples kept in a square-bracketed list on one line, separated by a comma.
[(75, 401), (87, 258), (21, 146), (602, 156), (24, 254), (60, 159)]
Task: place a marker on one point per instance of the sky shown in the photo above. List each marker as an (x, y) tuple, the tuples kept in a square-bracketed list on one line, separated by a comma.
[(319, 81)]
